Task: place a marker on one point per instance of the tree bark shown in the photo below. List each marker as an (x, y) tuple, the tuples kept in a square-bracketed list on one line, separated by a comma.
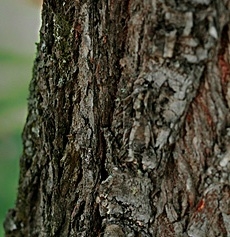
[(128, 128)]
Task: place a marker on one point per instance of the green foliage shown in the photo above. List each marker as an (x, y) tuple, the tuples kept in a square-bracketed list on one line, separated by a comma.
[(9, 170), (15, 73)]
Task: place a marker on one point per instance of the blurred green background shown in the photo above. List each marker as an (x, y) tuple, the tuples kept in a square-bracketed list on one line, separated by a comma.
[(19, 27)]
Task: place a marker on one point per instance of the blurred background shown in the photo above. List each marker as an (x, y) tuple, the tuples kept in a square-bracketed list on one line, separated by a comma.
[(19, 30)]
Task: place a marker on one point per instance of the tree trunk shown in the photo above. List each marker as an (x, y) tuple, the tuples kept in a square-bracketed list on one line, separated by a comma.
[(128, 128)]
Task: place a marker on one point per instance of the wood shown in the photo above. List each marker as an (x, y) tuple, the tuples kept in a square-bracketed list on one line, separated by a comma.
[(128, 125)]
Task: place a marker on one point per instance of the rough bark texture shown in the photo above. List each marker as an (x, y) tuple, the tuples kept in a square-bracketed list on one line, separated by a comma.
[(128, 130)]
